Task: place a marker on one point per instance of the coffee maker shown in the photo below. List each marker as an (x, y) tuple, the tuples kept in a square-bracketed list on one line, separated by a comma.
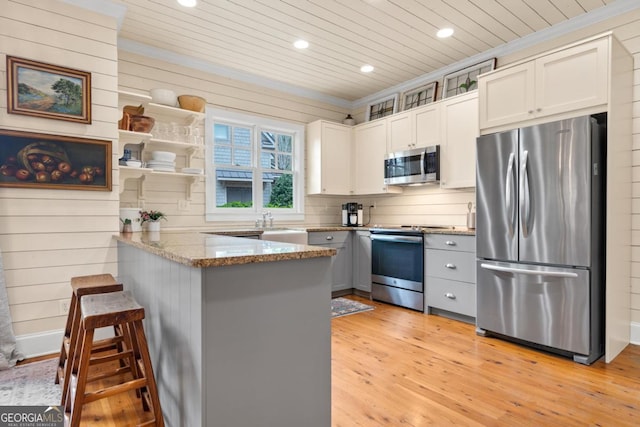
[(352, 214)]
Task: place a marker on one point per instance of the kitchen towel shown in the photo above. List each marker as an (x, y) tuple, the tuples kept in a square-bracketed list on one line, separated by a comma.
[(8, 353)]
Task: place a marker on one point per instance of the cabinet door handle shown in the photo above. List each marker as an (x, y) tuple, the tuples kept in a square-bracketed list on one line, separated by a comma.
[(329, 237), (450, 243), (450, 295), (530, 111), (451, 266)]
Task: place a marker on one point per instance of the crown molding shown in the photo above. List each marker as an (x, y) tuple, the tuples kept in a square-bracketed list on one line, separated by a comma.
[(103, 7)]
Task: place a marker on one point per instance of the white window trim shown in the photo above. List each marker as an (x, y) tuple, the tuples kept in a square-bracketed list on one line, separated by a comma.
[(251, 214)]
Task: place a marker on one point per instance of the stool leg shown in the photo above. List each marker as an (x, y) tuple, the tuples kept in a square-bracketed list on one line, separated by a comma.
[(74, 348), (131, 342), (72, 317), (148, 372), (81, 370)]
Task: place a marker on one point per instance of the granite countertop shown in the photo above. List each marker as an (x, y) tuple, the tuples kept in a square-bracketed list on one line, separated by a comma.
[(198, 249)]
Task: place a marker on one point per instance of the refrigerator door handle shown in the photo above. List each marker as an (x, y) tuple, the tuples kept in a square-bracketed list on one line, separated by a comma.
[(525, 202), (529, 272), (509, 196)]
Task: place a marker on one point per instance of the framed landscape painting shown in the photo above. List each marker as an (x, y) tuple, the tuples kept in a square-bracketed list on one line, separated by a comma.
[(50, 91), (38, 160)]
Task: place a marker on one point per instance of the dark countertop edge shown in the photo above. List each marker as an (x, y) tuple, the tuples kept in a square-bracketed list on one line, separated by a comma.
[(464, 231)]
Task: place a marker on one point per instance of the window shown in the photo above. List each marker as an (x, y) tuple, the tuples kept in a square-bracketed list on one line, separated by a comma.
[(382, 108), (253, 164), (419, 96)]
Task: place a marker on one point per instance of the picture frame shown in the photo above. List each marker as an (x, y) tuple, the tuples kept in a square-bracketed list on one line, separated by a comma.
[(382, 107), (418, 96), (466, 79), (38, 160), (48, 91)]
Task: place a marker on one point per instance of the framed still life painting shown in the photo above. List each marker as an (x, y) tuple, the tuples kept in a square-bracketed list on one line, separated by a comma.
[(49, 91), (38, 160)]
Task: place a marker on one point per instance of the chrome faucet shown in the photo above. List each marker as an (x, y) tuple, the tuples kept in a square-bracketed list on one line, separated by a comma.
[(267, 218)]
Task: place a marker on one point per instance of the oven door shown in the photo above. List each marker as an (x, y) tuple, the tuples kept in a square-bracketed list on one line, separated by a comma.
[(398, 261)]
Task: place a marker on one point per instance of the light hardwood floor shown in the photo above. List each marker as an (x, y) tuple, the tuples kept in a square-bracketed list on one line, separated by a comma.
[(397, 367), (394, 367)]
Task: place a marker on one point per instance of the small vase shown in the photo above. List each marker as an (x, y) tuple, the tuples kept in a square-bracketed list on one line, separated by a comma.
[(127, 228), (153, 225)]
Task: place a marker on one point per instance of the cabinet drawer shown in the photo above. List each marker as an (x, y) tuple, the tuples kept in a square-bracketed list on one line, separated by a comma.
[(330, 237), (450, 265), (450, 242), (458, 297)]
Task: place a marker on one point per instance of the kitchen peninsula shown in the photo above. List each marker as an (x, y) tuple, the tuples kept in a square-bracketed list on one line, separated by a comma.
[(239, 329)]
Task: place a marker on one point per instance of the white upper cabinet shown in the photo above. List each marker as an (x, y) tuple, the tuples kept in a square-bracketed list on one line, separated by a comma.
[(369, 149), (458, 148), (400, 131), (427, 125), (328, 158), (558, 83), (416, 128)]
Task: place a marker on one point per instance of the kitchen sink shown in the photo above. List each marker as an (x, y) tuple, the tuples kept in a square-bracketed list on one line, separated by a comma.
[(287, 235)]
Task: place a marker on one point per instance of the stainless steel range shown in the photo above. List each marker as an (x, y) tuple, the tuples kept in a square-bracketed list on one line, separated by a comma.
[(397, 265)]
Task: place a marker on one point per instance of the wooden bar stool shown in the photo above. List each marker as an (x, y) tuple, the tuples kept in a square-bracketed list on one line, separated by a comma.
[(81, 286), (102, 310)]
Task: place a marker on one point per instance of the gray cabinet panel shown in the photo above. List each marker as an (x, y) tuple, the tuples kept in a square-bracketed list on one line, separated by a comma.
[(362, 255), (451, 265), (450, 242), (342, 262), (451, 295)]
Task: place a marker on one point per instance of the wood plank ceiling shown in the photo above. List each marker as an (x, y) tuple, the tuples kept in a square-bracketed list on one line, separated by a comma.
[(397, 37)]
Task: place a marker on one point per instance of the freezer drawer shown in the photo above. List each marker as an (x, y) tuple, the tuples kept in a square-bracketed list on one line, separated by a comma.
[(539, 304)]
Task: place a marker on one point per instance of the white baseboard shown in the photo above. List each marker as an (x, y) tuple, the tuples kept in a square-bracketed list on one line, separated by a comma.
[(33, 345), (635, 333)]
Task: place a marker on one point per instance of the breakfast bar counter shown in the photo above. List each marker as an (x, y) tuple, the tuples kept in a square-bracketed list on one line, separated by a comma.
[(239, 329)]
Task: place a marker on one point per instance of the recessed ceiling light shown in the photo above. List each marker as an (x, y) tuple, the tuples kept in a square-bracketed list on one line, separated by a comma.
[(366, 68), (301, 44), (188, 3), (445, 32)]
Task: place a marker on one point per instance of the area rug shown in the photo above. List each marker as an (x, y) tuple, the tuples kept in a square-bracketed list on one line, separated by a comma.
[(30, 384), (344, 306)]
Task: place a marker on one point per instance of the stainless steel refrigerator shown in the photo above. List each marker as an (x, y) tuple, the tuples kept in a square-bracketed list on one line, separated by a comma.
[(540, 236)]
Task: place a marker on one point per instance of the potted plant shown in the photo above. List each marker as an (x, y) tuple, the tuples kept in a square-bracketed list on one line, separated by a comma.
[(126, 225), (152, 218)]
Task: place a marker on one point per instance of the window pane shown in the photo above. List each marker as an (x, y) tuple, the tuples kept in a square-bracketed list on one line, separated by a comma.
[(234, 188), (267, 160), (221, 133), (222, 155), (267, 140), (284, 162), (241, 137), (284, 143), (241, 157), (277, 190)]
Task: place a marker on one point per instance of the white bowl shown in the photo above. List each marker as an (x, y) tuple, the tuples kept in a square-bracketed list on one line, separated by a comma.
[(164, 97), (165, 156), (134, 163)]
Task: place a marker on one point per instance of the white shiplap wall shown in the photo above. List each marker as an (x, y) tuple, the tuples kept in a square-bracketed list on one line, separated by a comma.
[(49, 236)]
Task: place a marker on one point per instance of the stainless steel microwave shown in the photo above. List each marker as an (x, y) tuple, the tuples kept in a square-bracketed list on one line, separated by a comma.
[(417, 166)]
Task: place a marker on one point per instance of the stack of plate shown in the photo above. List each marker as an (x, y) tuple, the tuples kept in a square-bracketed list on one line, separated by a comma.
[(194, 171), (162, 161), (161, 165)]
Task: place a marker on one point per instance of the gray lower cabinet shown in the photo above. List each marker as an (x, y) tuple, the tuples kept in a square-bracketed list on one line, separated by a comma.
[(450, 275), (342, 262), (362, 255)]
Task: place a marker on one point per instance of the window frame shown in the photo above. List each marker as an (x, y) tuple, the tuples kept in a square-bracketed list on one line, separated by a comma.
[(257, 124)]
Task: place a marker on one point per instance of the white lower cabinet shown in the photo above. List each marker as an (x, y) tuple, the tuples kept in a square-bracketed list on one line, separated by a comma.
[(342, 262), (450, 275)]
